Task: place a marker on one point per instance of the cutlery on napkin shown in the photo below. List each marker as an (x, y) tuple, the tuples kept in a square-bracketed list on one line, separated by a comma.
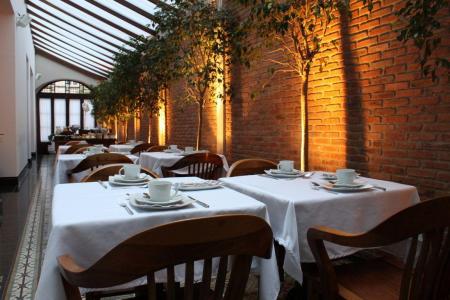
[(316, 186)]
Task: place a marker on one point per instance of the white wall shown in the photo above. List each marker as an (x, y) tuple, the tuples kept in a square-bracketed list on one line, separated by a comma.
[(51, 70), (17, 60)]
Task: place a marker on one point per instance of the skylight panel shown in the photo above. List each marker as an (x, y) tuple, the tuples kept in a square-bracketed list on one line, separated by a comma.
[(110, 17), (117, 7), (145, 5), (70, 38), (76, 23), (80, 34)]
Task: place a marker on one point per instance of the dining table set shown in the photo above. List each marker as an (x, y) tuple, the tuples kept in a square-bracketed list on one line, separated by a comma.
[(89, 219)]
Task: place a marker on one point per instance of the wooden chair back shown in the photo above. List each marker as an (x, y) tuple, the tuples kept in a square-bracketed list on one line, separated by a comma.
[(74, 148), (251, 166), (71, 143), (103, 173), (181, 242), (140, 148), (203, 165), (427, 269), (101, 159), (81, 150), (157, 148)]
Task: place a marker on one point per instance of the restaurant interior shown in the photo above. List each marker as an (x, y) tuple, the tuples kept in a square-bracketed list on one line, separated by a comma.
[(225, 149)]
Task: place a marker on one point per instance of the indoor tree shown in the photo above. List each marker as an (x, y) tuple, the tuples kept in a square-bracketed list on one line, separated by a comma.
[(206, 39)]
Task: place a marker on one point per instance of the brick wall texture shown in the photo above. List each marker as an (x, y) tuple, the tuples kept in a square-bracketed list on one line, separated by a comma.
[(369, 108)]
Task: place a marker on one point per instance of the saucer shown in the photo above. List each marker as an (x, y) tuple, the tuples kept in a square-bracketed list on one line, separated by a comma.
[(180, 204), (121, 178), (145, 199), (278, 171), (283, 175), (112, 181), (331, 187)]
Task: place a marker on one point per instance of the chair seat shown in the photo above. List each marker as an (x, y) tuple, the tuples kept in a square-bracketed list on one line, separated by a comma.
[(369, 274), (372, 279)]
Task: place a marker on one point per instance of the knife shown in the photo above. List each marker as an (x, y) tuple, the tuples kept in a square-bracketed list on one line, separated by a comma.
[(199, 202)]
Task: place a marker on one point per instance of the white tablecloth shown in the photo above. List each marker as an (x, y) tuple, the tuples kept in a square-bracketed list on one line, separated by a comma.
[(155, 160), (62, 149), (294, 207), (124, 148), (87, 222), (66, 162)]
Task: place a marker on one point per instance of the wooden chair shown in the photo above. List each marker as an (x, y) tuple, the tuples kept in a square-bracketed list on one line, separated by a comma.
[(203, 165), (181, 242), (71, 143), (101, 159), (158, 148), (74, 148), (140, 148), (425, 275), (250, 166), (103, 173), (81, 150)]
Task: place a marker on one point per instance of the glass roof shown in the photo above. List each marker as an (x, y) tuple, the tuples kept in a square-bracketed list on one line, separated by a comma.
[(88, 33)]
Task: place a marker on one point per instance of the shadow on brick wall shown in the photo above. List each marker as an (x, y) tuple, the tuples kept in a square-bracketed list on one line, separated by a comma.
[(356, 156)]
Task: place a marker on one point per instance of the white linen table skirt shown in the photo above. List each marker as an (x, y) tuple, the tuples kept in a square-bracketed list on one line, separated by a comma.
[(66, 162), (87, 222), (294, 207), (155, 160), (123, 148)]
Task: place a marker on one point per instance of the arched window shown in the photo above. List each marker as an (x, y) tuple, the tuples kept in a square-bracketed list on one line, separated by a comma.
[(63, 104)]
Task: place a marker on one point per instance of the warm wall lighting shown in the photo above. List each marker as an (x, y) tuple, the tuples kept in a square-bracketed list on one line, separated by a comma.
[(116, 128), (162, 126)]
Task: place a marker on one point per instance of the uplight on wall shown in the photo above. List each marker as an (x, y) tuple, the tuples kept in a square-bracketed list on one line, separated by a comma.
[(23, 20), (162, 126)]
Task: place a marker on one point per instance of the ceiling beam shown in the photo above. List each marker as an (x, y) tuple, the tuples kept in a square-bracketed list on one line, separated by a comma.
[(121, 16), (100, 18), (74, 16), (66, 63), (58, 36), (75, 63), (72, 57), (138, 10), (45, 17), (96, 55), (51, 43)]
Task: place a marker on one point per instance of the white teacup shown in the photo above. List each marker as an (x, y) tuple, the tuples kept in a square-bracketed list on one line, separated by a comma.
[(189, 149), (286, 165), (161, 191), (345, 176), (130, 171), (173, 147)]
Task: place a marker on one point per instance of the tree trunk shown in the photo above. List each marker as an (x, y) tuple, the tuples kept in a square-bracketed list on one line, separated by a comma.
[(166, 137), (304, 121), (200, 125)]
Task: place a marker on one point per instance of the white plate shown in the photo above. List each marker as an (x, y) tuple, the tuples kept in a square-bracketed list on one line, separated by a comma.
[(144, 199), (283, 175), (348, 185), (197, 186), (183, 203), (293, 172), (172, 151), (118, 183), (331, 187), (142, 178), (329, 176)]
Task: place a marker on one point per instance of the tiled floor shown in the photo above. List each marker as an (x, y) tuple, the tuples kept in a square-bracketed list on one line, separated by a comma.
[(14, 208)]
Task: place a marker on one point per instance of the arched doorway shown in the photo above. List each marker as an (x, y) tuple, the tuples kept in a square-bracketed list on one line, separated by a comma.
[(60, 105)]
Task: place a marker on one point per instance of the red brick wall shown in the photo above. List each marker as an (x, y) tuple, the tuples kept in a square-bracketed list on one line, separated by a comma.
[(369, 108)]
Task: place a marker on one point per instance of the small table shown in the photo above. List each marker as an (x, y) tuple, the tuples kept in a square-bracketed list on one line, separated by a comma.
[(66, 162), (155, 160), (294, 207), (87, 222), (122, 148)]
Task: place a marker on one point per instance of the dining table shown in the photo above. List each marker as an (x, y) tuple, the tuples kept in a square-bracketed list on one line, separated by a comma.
[(121, 148), (155, 160), (66, 162), (296, 204), (88, 220)]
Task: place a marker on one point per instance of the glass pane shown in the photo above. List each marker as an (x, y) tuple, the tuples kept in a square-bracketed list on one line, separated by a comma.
[(60, 87), (60, 114), (45, 118), (74, 112), (89, 121)]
